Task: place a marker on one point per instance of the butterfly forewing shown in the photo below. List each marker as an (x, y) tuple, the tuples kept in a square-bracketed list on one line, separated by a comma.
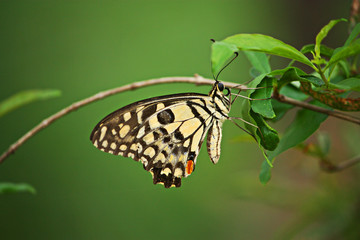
[(164, 133)]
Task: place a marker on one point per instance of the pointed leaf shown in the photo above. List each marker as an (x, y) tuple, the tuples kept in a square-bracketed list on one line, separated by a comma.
[(259, 61), (264, 106), (220, 54), (16, 187), (265, 172), (324, 50), (324, 143), (349, 84), (26, 97), (267, 44), (344, 52), (323, 33), (353, 35), (267, 135), (283, 70), (281, 108), (305, 124), (292, 74)]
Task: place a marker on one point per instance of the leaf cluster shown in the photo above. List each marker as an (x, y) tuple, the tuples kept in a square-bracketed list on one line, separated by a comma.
[(334, 76)]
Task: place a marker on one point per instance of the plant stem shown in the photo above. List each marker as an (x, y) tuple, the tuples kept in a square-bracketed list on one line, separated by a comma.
[(326, 81), (333, 113), (332, 168)]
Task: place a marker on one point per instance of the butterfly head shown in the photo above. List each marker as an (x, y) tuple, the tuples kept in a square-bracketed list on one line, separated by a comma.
[(220, 95)]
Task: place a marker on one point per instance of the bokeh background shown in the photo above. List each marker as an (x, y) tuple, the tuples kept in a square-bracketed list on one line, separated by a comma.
[(83, 47)]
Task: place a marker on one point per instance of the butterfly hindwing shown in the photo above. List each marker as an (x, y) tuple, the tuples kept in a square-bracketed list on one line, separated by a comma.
[(164, 133)]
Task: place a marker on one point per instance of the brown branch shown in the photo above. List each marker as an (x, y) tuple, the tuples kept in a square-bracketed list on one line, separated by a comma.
[(332, 168), (333, 113), (198, 80)]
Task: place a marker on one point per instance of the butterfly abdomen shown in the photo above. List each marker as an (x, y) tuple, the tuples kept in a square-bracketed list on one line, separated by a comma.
[(213, 141)]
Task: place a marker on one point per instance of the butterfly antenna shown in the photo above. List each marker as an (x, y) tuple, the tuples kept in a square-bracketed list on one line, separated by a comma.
[(236, 55), (216, 78), (212, 40)]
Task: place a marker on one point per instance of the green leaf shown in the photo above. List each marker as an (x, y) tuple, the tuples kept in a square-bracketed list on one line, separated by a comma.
[(292, 74), (352, 84), (265, 172), (323, 33), (16, 187), (246, 106), (344, 52), (259, 61), (254, 72), (312, 79), (344, 66), (26, 97), (305, 124), (293, 92), (263, 107), (353, 35), (267, 44), (324, 142), (220, 54), (281, 108), (283, 70), (268, 136), (324, 50), (254, 83)]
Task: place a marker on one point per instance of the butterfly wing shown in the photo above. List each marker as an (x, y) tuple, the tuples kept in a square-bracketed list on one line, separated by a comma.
[(164, 133)]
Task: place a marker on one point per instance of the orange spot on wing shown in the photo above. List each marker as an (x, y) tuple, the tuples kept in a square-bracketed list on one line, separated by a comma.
[(189, 166)]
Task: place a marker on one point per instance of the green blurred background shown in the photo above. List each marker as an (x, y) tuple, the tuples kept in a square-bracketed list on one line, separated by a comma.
[(83, 47)]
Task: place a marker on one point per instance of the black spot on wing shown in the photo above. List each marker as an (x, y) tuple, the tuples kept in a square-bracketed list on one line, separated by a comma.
[(167, 179), (156, 135), (166, 117), (163, 131), (156, 172), (177, 182), (148, 111), (178, 135), (165, 153), (176, 150)]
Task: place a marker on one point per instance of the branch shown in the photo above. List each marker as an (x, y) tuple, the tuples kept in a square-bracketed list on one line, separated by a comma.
[(197, 80), (331, 168), (333, 113)]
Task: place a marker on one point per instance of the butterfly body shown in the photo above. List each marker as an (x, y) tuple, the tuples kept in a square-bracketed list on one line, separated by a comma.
[(166, 133)]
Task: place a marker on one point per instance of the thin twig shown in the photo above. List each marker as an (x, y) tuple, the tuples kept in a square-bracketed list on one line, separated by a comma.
[(198, 80), (331, 168), (333, 113)]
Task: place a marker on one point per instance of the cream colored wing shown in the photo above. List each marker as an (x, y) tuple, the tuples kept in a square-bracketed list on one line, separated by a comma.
[(164, 133)]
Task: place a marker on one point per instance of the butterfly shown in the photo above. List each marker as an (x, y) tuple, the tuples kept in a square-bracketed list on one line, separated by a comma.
[(166, 133)]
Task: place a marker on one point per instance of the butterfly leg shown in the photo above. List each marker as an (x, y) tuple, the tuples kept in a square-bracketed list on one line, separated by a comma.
[(249, 123)]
